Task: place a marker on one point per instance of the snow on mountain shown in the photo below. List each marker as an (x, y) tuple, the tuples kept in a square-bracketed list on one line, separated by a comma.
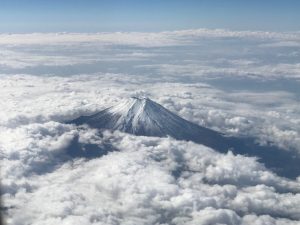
[(142, 116)]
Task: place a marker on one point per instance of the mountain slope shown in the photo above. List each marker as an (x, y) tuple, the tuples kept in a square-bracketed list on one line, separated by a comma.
[(142, 116)]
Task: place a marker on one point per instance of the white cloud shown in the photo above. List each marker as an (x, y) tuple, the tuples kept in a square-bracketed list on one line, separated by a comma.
[(146, 180), (240, 69), (19, 60), (135, 185), (264, 115), (206, 53), (166, 38)]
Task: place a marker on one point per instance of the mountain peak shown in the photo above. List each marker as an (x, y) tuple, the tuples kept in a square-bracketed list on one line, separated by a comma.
[(142, 116), (138, 101), (132, 107)]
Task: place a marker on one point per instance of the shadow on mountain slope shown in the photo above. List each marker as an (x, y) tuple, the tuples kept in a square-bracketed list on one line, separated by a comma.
[(144, 117)]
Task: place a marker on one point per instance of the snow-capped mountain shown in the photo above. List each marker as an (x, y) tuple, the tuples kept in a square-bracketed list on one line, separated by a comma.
[(142, 116)]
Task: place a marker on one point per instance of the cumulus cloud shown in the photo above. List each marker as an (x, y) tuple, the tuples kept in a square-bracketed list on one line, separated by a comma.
[(154, 180), (141, 184), (263, 115), (47, 176), (144, 180)]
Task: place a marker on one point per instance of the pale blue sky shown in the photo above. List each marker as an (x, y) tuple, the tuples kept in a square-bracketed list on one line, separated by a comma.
[(151, 15)]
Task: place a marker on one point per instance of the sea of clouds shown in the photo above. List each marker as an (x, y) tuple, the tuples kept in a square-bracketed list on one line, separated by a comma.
[(238, 83)]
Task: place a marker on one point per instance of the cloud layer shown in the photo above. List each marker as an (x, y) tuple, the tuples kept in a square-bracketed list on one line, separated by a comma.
[(198, 54), (146, 39), (239, 83), (150, 181), (270, 117)]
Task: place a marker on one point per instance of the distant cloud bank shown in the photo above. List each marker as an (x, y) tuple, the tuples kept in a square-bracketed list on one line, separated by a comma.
[(145, 39)]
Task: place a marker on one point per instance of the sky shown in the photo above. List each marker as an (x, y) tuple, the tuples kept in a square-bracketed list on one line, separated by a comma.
[(25, 16)]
